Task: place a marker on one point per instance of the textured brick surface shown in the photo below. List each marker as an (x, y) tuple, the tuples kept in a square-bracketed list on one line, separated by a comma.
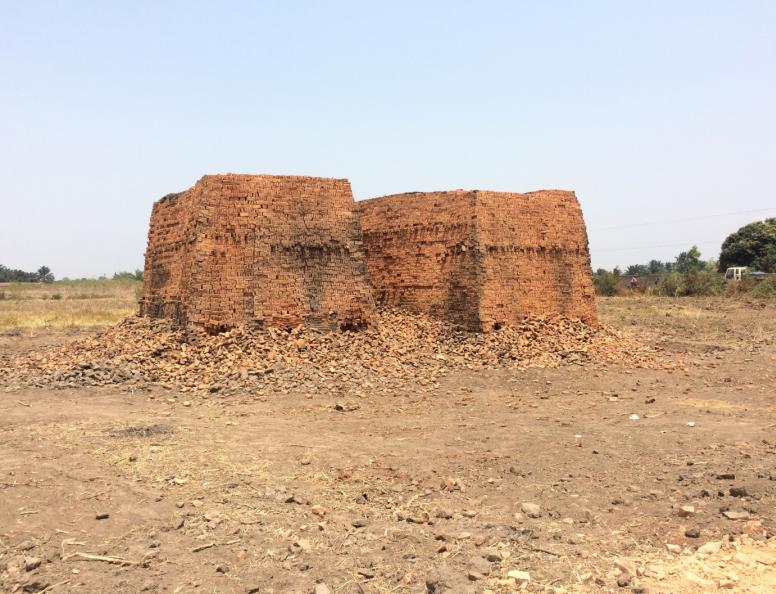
[(480, 259), (258, 249)]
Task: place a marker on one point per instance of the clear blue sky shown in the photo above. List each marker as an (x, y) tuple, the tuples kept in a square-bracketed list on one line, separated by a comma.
[(649, 110)]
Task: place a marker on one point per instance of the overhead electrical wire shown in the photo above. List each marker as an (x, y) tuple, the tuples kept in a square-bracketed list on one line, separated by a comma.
[(646, 247), (685, 219)]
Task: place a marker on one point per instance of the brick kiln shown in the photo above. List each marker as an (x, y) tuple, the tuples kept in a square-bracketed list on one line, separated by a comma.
[(480, 259), (260, 249)]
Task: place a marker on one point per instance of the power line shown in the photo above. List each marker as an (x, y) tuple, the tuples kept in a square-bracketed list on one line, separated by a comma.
[(713, 216), (646, 247)]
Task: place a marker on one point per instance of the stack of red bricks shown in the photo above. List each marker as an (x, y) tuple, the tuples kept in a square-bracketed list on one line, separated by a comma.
[(257, 249), (480, 259), (284, 251)]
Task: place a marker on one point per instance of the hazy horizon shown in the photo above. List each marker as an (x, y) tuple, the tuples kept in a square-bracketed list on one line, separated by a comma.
[(651, 113)]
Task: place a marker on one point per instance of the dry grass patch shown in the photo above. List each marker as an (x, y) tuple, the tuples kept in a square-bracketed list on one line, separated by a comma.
[(62, 304), (721, 320)]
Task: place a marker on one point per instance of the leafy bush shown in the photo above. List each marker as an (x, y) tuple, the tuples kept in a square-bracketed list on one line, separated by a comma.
[(669, 285), (690, 283), (125, 275), (765, 289), (56, 296), (702, 283), (742, 287), (607, 283)]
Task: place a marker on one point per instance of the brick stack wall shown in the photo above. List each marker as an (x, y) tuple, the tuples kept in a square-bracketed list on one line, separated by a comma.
[(480, 259), (535, 257), (421, 253), (171, 239), (258, 249)]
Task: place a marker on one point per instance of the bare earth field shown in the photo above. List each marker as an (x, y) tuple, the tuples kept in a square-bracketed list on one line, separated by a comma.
[(575, 479)]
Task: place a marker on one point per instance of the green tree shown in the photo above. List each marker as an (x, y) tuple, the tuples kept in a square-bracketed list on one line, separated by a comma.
[(689, 260), (659, 267), (637, 270), (753, 245), (607, 283), (126, 275), (14, 275), (44, 275)]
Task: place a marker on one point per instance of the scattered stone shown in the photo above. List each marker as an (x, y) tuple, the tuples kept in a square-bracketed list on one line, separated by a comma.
[(692, 532), (443, 514), (519, 576), (625, 566), (304, 545), (26, 545), (738, 492), (710, 548), (673, 548), (492, 555), (736, 515), (221, 568), (532, 510), (624, 580), (686, 511), (366, 573), (321, 589), (421, 518), (318, 510), (31, 563), (102, 516), (726, 476)]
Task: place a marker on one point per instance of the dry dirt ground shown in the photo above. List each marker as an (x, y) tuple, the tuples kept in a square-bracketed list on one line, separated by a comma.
[(577, 479)]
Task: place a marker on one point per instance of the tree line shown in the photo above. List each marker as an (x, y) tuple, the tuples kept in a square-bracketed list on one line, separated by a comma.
[(14, 275), (753, 246), (44, 275)]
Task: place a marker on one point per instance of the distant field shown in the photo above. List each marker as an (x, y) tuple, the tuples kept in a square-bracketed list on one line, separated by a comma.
[(61, 304)]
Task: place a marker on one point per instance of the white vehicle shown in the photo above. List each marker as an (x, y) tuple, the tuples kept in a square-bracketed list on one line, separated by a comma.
[(735, 273)]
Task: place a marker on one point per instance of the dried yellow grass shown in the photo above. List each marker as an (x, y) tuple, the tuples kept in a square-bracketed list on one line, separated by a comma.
[(62, 304)]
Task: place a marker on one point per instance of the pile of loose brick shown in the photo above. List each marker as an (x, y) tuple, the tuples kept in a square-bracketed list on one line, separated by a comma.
[(402, 349)]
